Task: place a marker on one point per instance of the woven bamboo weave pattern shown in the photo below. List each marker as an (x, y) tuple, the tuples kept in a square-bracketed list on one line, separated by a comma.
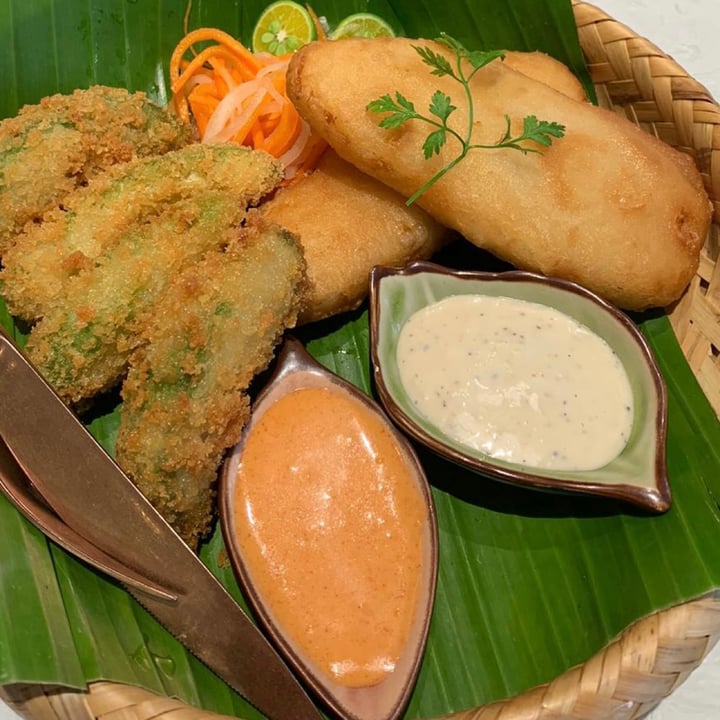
[(636, 79), (648, 661), (624, 681), (627, 678)]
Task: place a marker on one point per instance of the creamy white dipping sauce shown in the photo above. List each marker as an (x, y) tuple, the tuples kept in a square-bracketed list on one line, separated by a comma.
[(516, 380)]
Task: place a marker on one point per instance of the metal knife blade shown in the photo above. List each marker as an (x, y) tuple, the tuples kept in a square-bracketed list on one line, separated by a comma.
[(90, 493), (16, 487)]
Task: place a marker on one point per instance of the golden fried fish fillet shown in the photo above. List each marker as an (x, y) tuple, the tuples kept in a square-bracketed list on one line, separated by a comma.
[(184, 400), (607, 205), (348, 222), (51, 148)]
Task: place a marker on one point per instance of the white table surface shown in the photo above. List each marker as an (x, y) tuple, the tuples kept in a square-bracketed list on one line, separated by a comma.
[(689, 30)]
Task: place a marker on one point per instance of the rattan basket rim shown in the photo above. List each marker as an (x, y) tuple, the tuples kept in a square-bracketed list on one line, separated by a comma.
[(653, 656)]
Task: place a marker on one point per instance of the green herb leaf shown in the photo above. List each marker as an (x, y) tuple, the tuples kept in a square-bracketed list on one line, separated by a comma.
[(477, 58), (480, 58), (400, 109), (539, 132), (434, 142), (439, 63), (534, 130), (441, 106)]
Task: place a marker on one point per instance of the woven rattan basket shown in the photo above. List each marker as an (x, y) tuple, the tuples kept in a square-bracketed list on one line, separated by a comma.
[(656, 654)]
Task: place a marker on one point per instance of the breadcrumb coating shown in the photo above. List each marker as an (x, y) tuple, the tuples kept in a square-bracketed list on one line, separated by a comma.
[(195, 200), (184, 399), (57, 145)]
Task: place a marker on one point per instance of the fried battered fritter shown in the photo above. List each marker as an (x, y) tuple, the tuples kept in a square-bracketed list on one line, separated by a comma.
[(347, 222), (184, 399), (51, 148), (546, 69), (83, 341), (607, 205)]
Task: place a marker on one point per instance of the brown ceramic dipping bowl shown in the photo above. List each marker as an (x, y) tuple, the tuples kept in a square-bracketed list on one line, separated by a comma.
[(637, 475), (386, 700)]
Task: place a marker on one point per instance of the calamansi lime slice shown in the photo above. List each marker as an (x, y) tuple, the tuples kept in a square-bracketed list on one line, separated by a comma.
[(362, 25), (283, 27)]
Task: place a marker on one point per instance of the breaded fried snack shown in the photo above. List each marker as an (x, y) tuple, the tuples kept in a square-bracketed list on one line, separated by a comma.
[(607, 205), (95, 219), (348, 222), (82, 343), (51, 148), (184, 400)]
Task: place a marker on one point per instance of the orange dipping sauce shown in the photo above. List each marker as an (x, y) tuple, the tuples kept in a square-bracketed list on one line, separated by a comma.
[(330, 522)]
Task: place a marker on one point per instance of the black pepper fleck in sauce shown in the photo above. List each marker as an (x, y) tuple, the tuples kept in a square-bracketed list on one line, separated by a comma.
[(528, 385)]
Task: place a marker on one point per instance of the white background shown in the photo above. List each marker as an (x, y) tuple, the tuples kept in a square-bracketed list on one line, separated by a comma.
[(689, 30)]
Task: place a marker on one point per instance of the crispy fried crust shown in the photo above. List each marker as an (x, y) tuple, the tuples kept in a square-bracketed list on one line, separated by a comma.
[(184, 399), (51, 148), (608, 205), (149, 222), (347, 223), (95, 219), (546, 69)]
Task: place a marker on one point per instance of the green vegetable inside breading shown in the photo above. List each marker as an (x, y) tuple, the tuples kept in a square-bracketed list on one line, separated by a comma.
[(184, 400), (51, 148), (123, 244)]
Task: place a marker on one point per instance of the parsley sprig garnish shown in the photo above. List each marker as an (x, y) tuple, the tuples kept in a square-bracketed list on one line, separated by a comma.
[(399, 110)]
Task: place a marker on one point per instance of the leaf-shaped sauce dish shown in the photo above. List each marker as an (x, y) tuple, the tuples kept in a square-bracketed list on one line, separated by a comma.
[(330, 527), (527, 379)]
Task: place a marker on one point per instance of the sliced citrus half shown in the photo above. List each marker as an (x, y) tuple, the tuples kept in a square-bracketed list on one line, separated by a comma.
[(282, 28), (364, 25)]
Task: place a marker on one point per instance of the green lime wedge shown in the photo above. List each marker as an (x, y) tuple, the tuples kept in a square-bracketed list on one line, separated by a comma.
[(364, 25), (282, 28)]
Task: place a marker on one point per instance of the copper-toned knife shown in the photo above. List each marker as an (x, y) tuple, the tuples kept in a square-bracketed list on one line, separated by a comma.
[(56, 473)]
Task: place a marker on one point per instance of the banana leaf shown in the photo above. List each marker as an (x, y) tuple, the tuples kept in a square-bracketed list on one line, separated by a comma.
[(530, 583)]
